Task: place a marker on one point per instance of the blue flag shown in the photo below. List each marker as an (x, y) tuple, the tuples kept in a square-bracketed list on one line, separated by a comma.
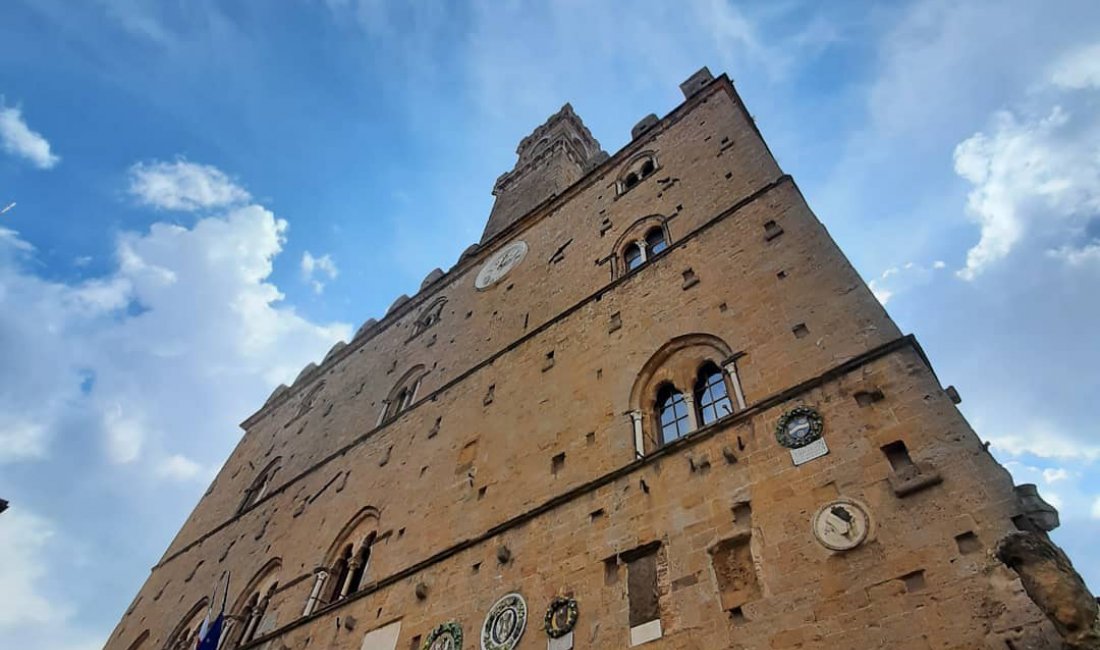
[(209, 640)]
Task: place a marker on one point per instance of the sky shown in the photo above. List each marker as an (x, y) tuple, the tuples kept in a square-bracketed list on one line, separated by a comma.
[(208, 195)]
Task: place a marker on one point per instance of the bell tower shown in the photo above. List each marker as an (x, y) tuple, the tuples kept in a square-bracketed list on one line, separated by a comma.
[(556, 155)]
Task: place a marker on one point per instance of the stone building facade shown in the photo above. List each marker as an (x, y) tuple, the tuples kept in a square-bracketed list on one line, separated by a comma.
[(654, 405)]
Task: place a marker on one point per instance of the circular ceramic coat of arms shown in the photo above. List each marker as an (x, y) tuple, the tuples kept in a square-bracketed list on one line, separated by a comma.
[(841, 525), (561, 617), (799, 427), (447, 636), (498, 266), (504, 624)]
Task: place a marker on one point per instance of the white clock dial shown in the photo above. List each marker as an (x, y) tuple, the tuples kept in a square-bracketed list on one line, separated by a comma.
[(500, 264)]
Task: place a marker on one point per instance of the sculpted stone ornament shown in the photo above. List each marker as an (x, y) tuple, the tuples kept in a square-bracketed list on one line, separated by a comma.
[(498, 266), (505, 623), (800, 431), (447, 636), (841, 525)]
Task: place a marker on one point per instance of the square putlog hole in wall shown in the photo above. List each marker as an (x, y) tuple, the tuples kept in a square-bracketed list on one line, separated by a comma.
[(968, 543), (772, 230), (800, 331), (557, 463), (914, 581)]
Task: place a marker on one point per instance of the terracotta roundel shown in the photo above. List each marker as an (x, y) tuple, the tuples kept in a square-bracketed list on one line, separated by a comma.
[(498, 266), (841, 525), (504, 624), (447, 636), (561, 617)]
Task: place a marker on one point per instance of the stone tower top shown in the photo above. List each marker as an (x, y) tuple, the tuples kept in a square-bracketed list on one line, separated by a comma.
[(556, 155)]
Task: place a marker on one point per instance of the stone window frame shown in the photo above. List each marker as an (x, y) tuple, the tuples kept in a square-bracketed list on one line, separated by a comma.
[(636, 235), (248, 610), (260, 485), (403, 394), (429, 316), (678, 363), (343, 569), (641, 166)]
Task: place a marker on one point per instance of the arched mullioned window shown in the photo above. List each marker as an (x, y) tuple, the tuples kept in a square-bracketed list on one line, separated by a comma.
[(429, 316), (632, 256), (636, 170), (184, 636), (655, 241), (689, 382), (711, 394), (402, 395), (672, 414), (253, 615), (640, 242), (346, 566), (260, 485)]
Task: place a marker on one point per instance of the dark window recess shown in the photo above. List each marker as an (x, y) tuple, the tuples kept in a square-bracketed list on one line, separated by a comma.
[(690, 279), (772, 230), (557, 463), (898, 456), (631, 180), (641, 588), (868, 397)]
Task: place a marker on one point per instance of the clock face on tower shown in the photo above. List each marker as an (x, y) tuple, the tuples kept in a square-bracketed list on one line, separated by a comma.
[(500, 264)]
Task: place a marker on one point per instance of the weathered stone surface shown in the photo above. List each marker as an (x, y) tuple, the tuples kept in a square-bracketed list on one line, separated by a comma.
[(1055, 586)]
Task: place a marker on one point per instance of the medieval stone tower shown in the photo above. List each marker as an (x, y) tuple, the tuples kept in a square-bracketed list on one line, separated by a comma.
[(654, 405)]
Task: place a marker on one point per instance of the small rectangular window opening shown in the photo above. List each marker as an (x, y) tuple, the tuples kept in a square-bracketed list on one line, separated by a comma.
[(897, 455)]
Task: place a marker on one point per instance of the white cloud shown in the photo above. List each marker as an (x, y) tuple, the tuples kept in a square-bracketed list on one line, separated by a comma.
[(1096, 508), (1078, 69), (901, 279), (19, 140), (318, 266), (24, 542), (1055, 474), (1041, 442), (187, 317), (183, 185), (1035, 178), (179, 468)]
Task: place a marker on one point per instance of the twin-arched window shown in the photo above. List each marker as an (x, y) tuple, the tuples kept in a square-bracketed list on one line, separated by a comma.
[(690, 382), (346, 566), (636, 170), (429, 316), (641, 242)]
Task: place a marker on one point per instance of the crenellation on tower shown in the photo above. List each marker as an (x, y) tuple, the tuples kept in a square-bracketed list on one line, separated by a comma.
[(557, 154)]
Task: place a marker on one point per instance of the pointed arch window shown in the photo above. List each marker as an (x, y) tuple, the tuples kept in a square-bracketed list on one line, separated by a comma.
[(429, 316), (711, 394), (260, 486), (672, 414), (345, 569), (402, 395)]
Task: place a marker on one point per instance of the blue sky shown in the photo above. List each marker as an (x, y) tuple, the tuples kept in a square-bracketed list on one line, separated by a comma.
[(209, 194)]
